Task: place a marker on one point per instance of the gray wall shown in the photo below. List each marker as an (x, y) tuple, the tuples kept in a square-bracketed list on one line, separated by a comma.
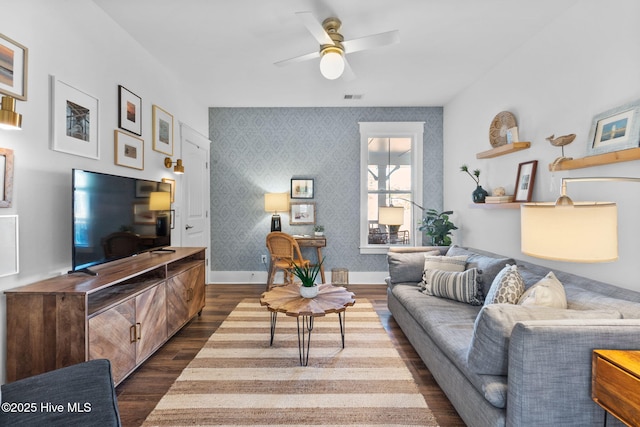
[(258, 150)]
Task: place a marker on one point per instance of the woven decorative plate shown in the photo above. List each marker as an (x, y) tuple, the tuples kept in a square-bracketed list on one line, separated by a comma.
[(502, 122)]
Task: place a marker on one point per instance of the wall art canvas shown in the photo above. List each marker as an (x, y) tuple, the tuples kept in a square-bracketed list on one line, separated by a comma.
[(162, 131), (75, 120), (130, 111), (13, 68), (129, 150)]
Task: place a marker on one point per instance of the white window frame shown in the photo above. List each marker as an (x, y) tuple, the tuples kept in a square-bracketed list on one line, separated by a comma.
[(413, 130)]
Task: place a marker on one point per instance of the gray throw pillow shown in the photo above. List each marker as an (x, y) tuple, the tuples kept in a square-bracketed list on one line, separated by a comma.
[(407, 267), (488, 267)]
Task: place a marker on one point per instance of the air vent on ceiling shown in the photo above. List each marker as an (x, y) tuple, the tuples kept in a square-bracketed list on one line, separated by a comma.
[(352, 96)]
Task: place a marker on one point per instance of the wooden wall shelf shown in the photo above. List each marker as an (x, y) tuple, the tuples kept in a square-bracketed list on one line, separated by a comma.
[(598, 159), (512, 205), (503, 149)]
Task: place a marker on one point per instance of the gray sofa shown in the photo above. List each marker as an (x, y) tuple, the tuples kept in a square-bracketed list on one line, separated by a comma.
[(78, 395), (505, 364)]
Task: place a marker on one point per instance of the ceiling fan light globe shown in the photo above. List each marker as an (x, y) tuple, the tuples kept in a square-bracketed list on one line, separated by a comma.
[(331, 65)]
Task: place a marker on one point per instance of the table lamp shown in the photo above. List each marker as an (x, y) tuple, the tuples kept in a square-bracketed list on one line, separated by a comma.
[(276, 202), (393, 216)]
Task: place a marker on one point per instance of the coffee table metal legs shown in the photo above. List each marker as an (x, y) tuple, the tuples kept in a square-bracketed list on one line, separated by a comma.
[(304, 334), (274, 318)]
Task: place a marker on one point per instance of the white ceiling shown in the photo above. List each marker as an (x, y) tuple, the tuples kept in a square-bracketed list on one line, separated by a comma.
[(226, 49)]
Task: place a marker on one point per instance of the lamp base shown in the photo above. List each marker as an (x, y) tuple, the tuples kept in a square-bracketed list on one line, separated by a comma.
[(276, 225)]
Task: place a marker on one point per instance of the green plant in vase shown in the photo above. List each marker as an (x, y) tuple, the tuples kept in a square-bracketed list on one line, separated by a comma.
[(479, 194), (307, 275), (437, 226)]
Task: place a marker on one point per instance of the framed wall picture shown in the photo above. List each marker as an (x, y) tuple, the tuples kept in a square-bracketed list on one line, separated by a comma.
[(302, 188), (302, 213), (162, 131), (130, 111), (74, 121), (615, 129), (6, 177), (9, 245), (13, 63), (525, 180), (129, 150)]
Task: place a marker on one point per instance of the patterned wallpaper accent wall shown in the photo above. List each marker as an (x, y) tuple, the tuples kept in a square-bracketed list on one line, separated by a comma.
[(258, 150)]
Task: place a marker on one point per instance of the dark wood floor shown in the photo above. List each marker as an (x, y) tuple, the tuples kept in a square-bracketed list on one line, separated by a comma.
[(138, 394)]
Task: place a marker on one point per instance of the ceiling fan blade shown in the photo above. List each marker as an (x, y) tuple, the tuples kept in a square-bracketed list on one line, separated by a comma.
[(348, 73), (315, 27), (373, 41), (308, 56)]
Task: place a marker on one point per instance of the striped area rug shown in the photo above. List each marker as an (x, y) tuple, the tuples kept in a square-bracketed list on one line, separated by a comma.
[(238, 379)]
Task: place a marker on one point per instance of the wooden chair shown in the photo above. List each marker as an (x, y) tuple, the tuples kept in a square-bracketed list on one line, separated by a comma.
[(285, 253)]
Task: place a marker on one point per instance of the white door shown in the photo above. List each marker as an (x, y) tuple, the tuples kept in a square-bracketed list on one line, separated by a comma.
[(196, 228)]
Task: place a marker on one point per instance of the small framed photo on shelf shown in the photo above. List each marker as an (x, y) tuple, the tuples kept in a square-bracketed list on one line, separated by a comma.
[(13, 63), (616, 129), (525, 180), (512, 135), (130, 114), (129, 150), (162, 131), (302, 188), (302, 213)]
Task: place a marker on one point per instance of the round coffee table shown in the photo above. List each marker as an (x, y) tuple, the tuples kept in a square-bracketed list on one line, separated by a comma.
[(287, 299)]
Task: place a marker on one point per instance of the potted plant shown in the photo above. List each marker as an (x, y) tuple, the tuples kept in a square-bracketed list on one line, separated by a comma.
[(479, 194), (438, 227), (318, 230), (307, 275)]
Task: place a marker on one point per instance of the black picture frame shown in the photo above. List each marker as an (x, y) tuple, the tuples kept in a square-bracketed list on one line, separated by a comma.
[(302, 188), (129, 111)]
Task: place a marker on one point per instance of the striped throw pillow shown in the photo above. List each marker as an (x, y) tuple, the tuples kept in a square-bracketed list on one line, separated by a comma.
[(459, 286)]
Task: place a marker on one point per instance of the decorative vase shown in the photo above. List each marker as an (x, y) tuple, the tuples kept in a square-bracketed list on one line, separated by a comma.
[(479, 194), (309, 291)]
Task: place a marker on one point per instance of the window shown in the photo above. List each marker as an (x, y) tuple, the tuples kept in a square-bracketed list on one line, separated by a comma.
[(390, 184)]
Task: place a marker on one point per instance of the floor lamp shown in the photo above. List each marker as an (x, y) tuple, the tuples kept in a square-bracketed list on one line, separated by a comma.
[(572, 231)]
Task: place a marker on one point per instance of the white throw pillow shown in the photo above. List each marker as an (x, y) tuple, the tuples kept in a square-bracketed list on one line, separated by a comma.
[(548, 292), (507, 287), (443, 263)]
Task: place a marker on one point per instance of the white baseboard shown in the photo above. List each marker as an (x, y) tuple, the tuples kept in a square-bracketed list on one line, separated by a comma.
[(241, 277)]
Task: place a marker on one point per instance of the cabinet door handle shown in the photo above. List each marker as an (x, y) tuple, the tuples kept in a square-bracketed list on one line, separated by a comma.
[(139, 329), (132, 333), (188, 227)]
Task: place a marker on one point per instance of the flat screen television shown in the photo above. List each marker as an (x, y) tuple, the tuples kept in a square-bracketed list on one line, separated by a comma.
[(116, 217)]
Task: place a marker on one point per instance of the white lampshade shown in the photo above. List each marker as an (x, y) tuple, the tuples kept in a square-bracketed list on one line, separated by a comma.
[(160, 201), (584, 232), (276, 202), (390, 215), (332, 64)]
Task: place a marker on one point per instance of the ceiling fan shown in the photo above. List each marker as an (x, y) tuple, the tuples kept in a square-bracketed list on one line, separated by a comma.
[(333, 47)]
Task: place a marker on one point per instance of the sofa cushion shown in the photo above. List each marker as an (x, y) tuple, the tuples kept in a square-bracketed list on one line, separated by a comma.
[(439, 262), (548, 292), (507, 287), (459, 286), (407, 267), (488, 266), (488, 352)]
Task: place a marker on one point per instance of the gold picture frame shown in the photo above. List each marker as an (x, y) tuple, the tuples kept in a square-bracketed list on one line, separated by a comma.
[(162, 131)]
